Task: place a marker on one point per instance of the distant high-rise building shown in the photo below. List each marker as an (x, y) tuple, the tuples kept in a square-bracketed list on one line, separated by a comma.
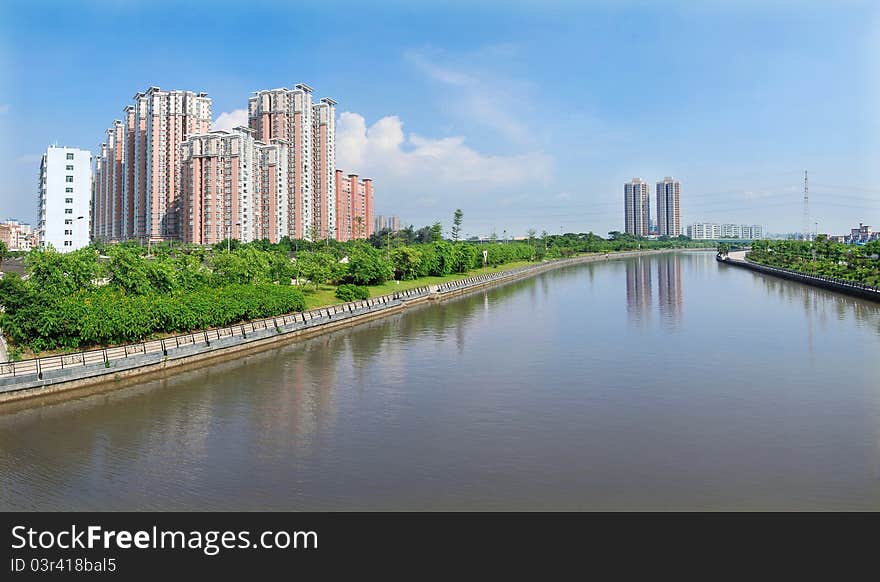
[(381, 223), (394, 223), (668, 194), (354, 207), (64, 192), (637, 208)]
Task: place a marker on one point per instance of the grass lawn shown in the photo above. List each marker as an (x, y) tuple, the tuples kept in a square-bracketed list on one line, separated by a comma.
[(325, 295)]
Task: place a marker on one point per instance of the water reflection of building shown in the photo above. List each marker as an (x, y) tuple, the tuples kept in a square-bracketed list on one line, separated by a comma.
[(638, 287), (669, 286)]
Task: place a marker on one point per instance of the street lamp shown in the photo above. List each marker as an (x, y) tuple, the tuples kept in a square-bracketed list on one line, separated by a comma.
[(229, 235)]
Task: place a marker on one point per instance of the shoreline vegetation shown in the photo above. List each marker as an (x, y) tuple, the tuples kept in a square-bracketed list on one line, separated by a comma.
[(110, 294), (822, 257)]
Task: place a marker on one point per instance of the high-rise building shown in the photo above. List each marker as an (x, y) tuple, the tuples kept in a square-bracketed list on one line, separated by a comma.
[(668, 194), (637, 208), (64, 193), (381, 223), (138, 174), (233, 187), (394, 223), (354, 207), (162, 174), (310, 130)]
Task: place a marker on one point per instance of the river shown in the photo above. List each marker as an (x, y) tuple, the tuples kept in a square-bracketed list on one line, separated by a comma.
[(655, 383)]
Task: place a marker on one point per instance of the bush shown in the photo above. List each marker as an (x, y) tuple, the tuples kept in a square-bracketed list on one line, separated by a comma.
[(349, 292), (108, 316)]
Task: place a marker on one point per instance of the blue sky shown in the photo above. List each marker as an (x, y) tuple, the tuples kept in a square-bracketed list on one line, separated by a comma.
[(524, 114)]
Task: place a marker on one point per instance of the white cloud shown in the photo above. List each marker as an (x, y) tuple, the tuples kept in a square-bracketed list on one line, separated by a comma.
[(229, 119), (483, 94), (413, 172), (383, 151)]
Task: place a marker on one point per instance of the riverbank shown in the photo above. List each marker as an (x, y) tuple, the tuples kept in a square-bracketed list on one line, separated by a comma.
[(839, 285), (39, 376)]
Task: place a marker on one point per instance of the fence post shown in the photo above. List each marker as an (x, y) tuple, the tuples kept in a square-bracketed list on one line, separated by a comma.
[(39, 370)]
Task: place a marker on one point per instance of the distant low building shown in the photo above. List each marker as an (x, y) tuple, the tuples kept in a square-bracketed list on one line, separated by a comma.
[(17, 236), (861, 235), (716, 231)]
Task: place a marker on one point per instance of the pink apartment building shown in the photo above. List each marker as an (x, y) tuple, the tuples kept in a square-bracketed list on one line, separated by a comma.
[(354, 207), (233, 186), (310, 133), (163, 174), (139, 172)]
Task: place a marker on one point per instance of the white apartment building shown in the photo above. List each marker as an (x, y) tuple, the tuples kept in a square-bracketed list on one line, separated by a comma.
[(65, 186), (715, 231)]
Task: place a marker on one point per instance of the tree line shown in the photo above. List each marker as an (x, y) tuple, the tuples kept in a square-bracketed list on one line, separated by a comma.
[(107, 294), (822, 257)]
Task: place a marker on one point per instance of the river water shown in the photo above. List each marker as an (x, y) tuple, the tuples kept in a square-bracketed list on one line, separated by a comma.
[(661, 382)]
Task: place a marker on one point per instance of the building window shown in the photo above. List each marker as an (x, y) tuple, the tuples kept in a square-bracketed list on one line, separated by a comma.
[(68, 221), (68, 200), (68, 211), (68, 179), (70, 232), (69, 167), (69, 190), (69, 156), (68, 243)]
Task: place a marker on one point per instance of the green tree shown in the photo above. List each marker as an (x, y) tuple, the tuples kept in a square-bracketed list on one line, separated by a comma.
[(4, 252), (368, 266), (436, 232), (406, 261), (456, 224), (318, 267)]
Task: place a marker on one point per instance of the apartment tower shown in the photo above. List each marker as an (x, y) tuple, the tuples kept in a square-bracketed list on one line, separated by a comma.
[(668, 194), (137, 192), (354, 207), (310, 131), (637, 209)]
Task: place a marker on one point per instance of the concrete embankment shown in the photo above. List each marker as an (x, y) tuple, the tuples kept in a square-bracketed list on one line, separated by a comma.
[(53, 374), (841, 286)]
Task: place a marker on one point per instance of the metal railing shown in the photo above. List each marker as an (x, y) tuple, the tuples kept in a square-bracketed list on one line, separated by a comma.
[(38, 366)]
